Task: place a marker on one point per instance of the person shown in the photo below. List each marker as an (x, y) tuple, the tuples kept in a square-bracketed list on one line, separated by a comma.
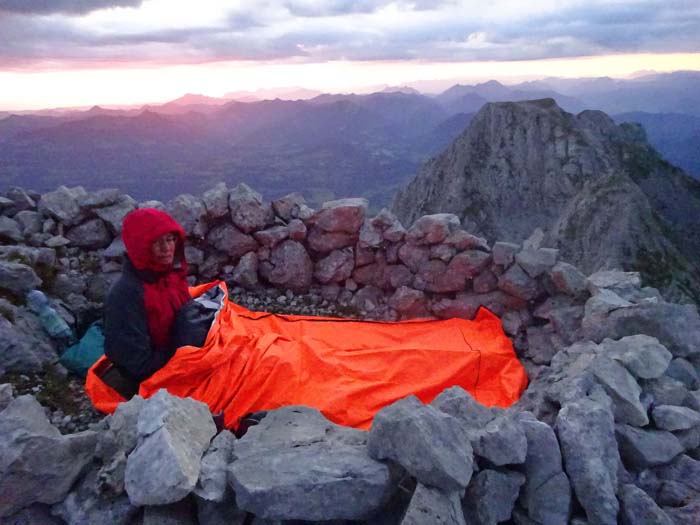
[(141, 306)]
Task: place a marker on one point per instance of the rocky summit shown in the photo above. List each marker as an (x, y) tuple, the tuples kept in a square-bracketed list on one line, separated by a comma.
[(607, 431), (599, 192)]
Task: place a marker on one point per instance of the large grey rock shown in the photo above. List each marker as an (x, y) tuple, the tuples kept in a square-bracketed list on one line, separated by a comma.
[(431, 445), (216, 201), (460, 404), (462, 240), (91, 235), (624, 284), (30, 222), (641, 448), (676, 326), (246, 271), (469, 263), (212, 483), (17, 277), (587, 436), (19, 200), (502, 441), (491, 496), (642, 355), (683, 469), (536, 262), (100, 198), (271, 236), (335, 267), (173, 434), (431, 505), (637, 508), (231, 241), (114, 445), (414, 257), (341, 216), (436, 276), (24, 345), (408, 301), (622, 388), (190, 212), (568, 279), (504, 253), (547, 493), (113, 215), (289, 266), (666, 391), (37, 463), (668, 417), (296, 464), (248, 212), (10, 230), (322, 241), (516, 282), (288, 207), (432, 229), (685, 372), (87, 504), (62, 204)]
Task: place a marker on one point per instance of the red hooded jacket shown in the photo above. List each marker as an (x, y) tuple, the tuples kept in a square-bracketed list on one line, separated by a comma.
[(141, 306)]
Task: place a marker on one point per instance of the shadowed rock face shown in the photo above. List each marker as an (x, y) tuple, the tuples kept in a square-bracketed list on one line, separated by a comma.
[(603, 196)]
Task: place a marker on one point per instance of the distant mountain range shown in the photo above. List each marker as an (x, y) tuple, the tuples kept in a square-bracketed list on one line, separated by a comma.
[(327, 146)]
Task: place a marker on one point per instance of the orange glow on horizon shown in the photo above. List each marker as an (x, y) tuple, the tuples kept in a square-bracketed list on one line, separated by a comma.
[(53, 85)]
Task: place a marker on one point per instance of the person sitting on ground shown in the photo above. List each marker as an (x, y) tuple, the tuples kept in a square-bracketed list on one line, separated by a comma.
[(141, 306)]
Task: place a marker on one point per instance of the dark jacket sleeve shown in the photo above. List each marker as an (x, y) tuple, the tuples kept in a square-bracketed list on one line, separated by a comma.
[(127, 341)]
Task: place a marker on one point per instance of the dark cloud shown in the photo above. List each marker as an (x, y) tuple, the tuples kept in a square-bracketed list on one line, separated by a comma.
[(77, 7), (352, 30)]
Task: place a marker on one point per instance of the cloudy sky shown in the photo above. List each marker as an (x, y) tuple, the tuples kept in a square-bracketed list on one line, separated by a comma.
[(83, 52)]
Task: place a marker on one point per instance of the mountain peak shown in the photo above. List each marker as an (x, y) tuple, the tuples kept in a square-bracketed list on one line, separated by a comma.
[(603, 196)]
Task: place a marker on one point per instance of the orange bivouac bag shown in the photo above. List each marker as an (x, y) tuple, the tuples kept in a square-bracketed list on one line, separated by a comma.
[(347, 369)]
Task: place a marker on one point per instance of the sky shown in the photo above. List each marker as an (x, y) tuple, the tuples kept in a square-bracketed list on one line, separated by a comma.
[(78, 53)]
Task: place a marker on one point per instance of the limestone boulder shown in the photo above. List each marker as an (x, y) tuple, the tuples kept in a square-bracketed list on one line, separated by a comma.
[(190, 213), (341, 216), (91, 235), (587, 437), (173, 435), (430, 444), (39, 465), (289, 266), (296, 464)]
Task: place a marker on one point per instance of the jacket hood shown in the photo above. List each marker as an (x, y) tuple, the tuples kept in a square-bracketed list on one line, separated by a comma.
[(141, 228)]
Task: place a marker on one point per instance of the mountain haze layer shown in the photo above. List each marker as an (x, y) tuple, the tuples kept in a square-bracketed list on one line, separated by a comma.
[(601, 193)]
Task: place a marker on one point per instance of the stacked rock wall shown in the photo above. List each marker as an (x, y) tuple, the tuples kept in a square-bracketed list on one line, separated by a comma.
[(608, 430)]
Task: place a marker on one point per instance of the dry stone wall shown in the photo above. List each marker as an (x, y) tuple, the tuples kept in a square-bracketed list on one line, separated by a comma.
[(608, 430)]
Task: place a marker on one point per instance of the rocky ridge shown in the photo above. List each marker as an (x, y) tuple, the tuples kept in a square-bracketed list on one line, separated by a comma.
[(608, 430), (602, 195)]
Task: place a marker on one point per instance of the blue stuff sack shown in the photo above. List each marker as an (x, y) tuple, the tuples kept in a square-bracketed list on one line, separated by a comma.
[(82, 355)]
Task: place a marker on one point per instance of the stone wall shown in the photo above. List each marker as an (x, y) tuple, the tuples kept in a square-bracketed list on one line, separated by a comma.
[(608, 429)]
